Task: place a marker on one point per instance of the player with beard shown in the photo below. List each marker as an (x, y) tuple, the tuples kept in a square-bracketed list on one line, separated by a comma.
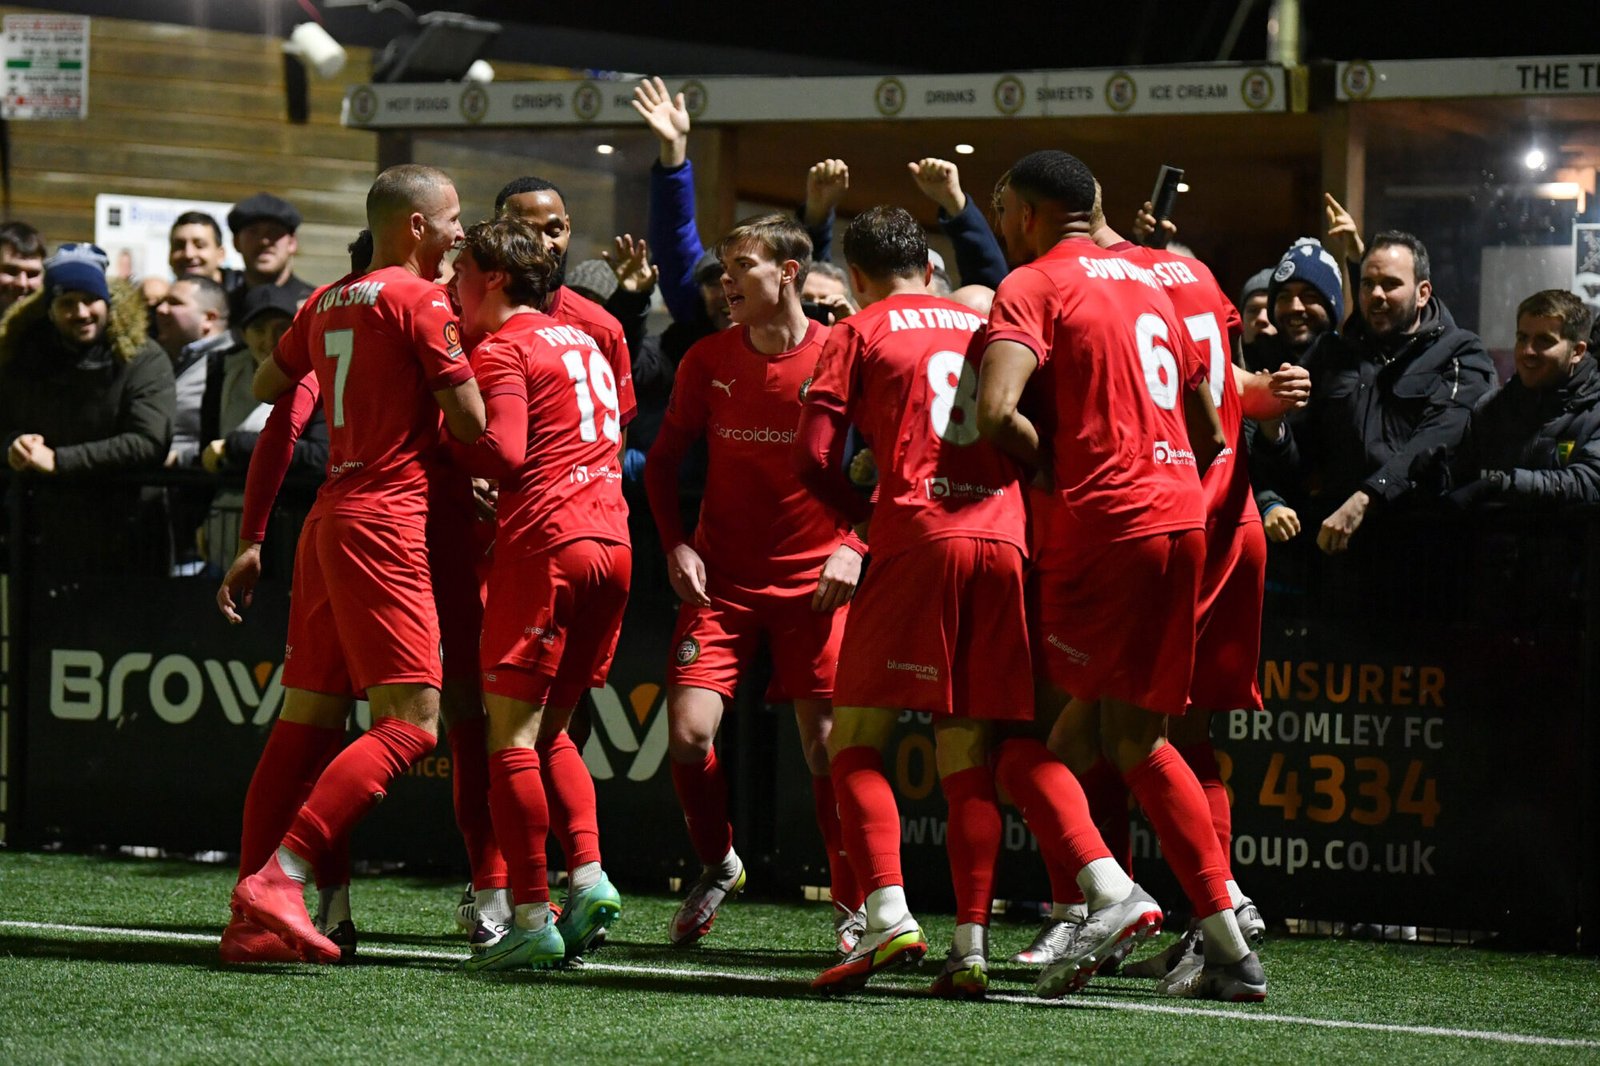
[(386, 351), (540, 204), (559, 581), (1120, 542), (1228, 620), (768, 561)]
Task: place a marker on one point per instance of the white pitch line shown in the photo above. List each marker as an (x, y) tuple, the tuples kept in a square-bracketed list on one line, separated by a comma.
[(1000, 997)]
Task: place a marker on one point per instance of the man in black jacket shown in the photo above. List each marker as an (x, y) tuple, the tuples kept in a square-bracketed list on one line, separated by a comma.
[(83, 391), (1399, 382), (1538, 438)]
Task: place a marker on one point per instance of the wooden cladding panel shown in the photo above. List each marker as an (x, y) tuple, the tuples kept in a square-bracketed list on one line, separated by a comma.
[(181, 112)]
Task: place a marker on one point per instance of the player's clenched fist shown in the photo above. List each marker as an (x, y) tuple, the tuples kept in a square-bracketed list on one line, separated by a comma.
[(939, 181)]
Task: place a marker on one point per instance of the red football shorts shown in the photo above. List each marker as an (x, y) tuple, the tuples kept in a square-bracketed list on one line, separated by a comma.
[(712, 645), (361, 608), (1227, 647), (452, 557), (941, 628), (1117, 620), (552, 621)]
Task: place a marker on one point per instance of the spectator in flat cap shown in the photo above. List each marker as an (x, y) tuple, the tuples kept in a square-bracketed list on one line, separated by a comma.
[(229, 415), (264, 228), (231, 420), (83, 390), (594, 279)]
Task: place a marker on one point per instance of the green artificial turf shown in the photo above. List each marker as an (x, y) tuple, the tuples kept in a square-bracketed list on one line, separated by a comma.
[(741, 996)]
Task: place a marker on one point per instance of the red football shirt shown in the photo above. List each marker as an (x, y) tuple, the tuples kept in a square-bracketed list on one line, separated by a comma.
[(1114, 360), (1212, 323), (568, 308), (903, 371), (760, 529), (569, 485), (380, 345)]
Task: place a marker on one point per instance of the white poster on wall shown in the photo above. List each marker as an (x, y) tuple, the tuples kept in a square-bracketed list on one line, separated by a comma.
[(134, 231), (1586, 262), (47, 66)]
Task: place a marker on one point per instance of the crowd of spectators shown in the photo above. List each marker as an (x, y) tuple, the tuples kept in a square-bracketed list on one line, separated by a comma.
[(98, 376)]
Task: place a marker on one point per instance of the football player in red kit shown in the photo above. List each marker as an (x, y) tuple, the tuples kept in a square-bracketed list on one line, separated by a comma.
[(386, 350), (1228, 618), (1121, 546), (767, 561), (559, 581), (938, 625), (540, 204), (1228, 612)]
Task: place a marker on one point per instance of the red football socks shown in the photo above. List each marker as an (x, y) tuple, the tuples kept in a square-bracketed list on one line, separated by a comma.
[(521, 821), (294, 756), (1053, 804), (1202, 759), (1176, 806), (869, 821), (469, 786), (703, 794), (1108, 806), (972, 840), (570, 791), (356, 780), (841, 878)]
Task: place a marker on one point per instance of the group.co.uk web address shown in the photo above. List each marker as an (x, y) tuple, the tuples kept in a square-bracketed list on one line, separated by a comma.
[(1296, 854)]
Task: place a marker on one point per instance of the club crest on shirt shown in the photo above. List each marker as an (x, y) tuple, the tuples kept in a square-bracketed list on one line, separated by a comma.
[(688, 651), (452, 340), (805, 388)]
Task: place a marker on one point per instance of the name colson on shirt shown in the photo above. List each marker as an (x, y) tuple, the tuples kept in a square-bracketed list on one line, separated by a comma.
[(355, 294)]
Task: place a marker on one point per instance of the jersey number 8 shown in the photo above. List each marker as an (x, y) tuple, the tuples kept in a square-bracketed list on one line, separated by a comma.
[(954, 411)]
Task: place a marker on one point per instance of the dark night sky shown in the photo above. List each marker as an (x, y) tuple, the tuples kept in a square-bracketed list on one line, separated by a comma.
[(1022, 34), (932, 36)]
